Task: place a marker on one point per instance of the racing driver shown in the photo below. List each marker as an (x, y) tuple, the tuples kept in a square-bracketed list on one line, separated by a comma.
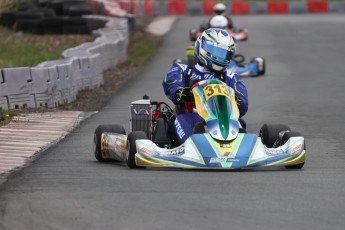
[(220, 9), (213, 50)]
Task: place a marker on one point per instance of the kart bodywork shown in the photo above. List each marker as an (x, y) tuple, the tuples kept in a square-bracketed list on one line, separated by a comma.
[(201, 151)]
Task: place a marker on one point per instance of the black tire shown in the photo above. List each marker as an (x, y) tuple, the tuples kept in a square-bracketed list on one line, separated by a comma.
[(8, 19), (285, 138), (75, 30), (33, 26), (29, 15), (97, 145), (269, 133), (52, 25), (70, 21), (243, 123), (199, 128), (75, 26), (239, 59), (47, 12), (132, 148), (262, 71), (57, 6), (95, 24), (26, 6), (77, 11)]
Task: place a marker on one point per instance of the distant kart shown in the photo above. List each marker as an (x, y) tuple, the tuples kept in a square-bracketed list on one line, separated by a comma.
[(238, 35), (219, 143), (256, 67)]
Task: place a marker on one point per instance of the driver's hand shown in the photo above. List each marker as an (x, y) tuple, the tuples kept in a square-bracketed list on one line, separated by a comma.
[(185, 94), (238, 100)]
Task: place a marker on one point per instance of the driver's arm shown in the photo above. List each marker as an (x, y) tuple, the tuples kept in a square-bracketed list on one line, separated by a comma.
[(174, 81), (234, 81)]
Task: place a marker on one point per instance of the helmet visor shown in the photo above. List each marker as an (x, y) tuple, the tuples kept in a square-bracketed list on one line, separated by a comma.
[(219, 52)]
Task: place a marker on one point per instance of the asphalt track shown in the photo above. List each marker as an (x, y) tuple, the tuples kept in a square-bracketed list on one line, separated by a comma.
[(65, 188)]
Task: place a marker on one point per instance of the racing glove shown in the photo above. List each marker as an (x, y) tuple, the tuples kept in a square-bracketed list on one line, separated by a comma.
[(238, 100), (184, 94)]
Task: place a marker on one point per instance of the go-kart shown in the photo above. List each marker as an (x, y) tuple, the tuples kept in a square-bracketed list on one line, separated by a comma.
[(237, 34), (256, 67), (219, 143)]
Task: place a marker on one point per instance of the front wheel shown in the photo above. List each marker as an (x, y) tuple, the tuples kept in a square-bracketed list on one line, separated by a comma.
[(97, 138), (132, 148), (269, 133), (285, 138)]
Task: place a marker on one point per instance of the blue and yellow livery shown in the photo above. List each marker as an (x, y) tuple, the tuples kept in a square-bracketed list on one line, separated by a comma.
[(224, 145)]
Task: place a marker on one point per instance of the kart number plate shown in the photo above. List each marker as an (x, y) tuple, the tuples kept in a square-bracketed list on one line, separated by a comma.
[(216, 89)]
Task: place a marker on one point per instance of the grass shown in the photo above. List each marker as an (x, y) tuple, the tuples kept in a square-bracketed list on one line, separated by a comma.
[(140, 49), (6, 116), (19, 49)]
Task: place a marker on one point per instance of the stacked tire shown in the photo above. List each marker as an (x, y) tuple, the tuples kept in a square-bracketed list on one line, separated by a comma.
[(50, 17), (7, 19)]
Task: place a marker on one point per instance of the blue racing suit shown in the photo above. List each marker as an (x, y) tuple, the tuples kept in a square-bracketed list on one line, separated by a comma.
[(176, 79)]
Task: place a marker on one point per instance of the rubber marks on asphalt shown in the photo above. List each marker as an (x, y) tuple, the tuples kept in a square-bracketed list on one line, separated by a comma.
[(28, 134)]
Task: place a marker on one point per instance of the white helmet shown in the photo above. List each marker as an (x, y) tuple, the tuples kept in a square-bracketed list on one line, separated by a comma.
[(219, 21), (219, 8)]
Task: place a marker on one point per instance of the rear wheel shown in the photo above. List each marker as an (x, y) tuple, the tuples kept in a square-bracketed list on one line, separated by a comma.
[(261, 65), (97, 138), (132, 148), (269, 133), (285, 138), (199, 128)]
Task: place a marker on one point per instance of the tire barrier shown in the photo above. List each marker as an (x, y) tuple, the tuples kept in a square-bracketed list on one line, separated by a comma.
[(120, 8), (207, 7), (132, 8), (57, 82), (277, 8), (49, 17), (183, 7)]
